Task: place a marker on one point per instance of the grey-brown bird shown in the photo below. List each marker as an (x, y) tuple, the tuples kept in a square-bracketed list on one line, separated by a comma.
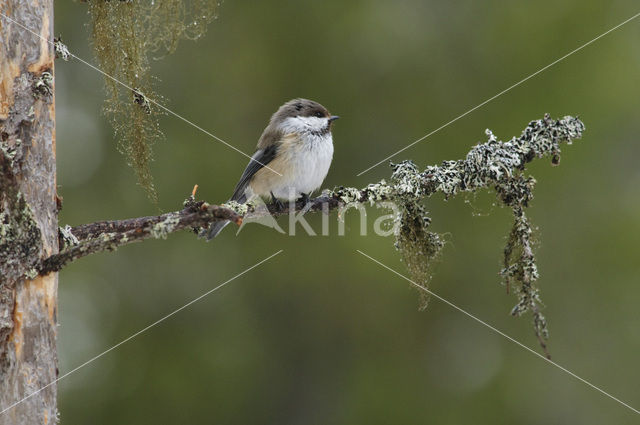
[(292, 159)]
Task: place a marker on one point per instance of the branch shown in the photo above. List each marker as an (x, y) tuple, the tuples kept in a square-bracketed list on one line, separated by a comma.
[(100, 236), (493, 164), (487, 164), (195, 214)]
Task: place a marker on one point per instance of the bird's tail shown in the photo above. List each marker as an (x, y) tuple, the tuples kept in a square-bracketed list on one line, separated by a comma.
[(216, 227)]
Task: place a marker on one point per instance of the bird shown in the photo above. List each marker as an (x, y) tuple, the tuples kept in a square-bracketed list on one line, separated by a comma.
[(292, 157)]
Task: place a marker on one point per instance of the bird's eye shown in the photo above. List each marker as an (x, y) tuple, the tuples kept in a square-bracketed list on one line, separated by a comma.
[(319, 114)]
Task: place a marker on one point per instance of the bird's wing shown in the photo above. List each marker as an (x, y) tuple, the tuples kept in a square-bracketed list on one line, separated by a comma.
[(259, 159)]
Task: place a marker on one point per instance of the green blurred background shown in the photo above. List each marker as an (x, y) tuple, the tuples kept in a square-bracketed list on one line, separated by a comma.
[(320, 334)]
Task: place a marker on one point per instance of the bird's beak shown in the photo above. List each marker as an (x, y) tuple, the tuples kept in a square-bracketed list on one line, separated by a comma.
[(333, 118)]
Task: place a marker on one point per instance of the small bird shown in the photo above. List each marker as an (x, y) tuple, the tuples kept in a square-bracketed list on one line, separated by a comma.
[(292, 157)]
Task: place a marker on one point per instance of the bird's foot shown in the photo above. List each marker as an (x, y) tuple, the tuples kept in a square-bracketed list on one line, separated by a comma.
[(304, 198), (277, 202)]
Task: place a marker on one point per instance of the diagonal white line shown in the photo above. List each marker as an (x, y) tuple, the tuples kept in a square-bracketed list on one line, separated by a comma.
[(208, 133), (501, 93), (129, 338), (499, 332)]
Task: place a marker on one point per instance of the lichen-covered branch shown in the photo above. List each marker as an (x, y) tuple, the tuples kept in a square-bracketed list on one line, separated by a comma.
[(497, 165), (491, 165), (90, 238), (80, 241)]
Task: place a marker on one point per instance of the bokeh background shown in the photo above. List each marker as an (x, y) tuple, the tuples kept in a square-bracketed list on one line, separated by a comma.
[(320, 334)]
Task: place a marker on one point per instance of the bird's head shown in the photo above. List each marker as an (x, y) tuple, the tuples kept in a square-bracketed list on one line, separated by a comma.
[(303, 116)]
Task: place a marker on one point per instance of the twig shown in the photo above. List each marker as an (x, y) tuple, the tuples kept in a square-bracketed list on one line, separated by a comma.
[(108, 235)]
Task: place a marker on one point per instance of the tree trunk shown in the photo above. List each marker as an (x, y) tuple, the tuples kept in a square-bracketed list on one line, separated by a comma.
[(28, 214)]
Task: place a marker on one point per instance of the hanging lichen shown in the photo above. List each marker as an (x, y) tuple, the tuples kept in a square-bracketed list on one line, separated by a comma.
[(491, 165), (173, 20), (519, 260), (124, 35), (418, 247)]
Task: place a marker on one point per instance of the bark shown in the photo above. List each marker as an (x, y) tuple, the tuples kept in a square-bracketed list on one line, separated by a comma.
[(28, 214)]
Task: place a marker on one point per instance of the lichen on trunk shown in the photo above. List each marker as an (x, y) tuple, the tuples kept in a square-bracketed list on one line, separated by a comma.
[(28, 214)]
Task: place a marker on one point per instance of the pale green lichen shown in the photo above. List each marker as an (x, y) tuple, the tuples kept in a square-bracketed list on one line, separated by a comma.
[(496, 162), (170, 21), (347, 194), (31, 274), (43, 86), (107, 240), (124, 36), (378, 192), (61, 49), (21, 240), (9, 152), (493, 164), (372, 193), (5, 227), (407, 180), (67, 237), (520, 267), (165, 227), (418, 247), (105, 237), (238, 208)]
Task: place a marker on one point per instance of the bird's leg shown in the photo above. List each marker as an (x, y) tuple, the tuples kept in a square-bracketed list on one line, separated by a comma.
[(304, 197), (277, 202)]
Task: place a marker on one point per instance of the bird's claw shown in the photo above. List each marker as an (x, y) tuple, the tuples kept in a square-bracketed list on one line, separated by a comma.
[(304, 198), (277, 202)]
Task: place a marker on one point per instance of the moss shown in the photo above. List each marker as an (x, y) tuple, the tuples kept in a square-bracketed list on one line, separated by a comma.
[(124, 36)]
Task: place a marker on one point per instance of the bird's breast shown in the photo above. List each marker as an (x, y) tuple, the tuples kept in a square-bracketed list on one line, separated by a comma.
[(304, 162)]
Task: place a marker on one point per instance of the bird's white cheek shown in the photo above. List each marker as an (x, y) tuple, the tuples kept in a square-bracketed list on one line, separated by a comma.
[(304, 124)]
